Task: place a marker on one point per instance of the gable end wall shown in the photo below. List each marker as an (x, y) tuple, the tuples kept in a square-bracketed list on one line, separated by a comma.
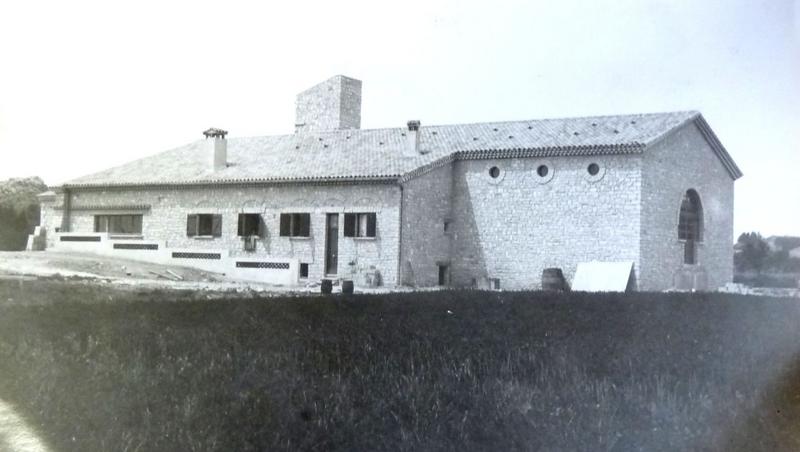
[(684, 160)]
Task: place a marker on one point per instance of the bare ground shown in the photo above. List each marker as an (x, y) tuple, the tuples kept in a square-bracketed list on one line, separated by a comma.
[(125, 272)]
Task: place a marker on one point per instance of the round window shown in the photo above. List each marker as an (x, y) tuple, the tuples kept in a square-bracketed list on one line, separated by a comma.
[(494, 172), (593, 169), (542, 170)]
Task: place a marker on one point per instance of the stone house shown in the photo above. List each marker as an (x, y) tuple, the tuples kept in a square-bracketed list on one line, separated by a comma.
[(465, 205)]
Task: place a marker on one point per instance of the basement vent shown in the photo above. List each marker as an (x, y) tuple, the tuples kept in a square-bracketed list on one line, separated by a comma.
[(135, 246), (209, 256), (80, 238), (268, 265)]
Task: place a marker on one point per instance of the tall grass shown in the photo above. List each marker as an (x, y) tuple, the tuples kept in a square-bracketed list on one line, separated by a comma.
[(460, 370)]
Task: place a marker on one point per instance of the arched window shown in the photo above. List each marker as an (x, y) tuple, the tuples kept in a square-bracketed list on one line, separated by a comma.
[(690, 225)]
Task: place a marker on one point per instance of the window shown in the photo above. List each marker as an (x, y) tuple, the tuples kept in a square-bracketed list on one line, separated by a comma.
[(593, 169), (690, 222), (444, 274), (494, 172), (118, 224), (494, 283), (542, 170), (204, 225), (690, 225), (359, 224), (250, 224), (448, 226), (295, 224), (304, 270)]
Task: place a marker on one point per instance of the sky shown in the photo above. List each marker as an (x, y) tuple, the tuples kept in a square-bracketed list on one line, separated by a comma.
[(87, 85)]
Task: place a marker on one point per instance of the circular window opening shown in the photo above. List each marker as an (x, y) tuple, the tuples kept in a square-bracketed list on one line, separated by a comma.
[(593, 169), (494, 172), (542, 170)]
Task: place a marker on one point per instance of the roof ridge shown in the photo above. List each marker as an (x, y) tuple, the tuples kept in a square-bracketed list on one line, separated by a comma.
[(689, 113)]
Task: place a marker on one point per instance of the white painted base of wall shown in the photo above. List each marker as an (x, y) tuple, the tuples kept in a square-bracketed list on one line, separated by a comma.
[(271, 270)]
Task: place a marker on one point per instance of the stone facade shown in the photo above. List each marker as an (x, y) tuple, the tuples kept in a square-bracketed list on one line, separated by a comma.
[(427, 205), (165, 219), (684, 160)]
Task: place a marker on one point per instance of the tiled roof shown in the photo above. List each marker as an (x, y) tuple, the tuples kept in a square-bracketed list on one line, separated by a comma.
[(380, 154)]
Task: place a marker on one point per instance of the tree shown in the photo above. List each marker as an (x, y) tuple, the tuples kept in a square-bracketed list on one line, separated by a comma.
[(751, 252)]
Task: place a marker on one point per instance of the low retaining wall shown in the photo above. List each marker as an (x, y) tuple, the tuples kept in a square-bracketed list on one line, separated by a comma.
[(273, 270)]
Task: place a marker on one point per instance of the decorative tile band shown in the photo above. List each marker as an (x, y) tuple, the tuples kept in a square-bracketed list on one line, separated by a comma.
[(270, 265), (80, 238), (135, 246), (183, 255)]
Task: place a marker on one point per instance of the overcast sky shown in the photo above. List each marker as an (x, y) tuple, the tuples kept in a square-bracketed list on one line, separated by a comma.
[(89, 85)]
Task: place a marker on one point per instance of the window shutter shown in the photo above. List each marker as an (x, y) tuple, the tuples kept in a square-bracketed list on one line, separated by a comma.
[(305, 224), (286, 221), (240, 228), (349, 225), (191, 225), (262, 227), (371, 219), (216, 225)]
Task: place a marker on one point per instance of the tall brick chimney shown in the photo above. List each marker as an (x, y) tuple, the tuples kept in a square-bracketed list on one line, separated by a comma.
[(334, 104), (216, 149)]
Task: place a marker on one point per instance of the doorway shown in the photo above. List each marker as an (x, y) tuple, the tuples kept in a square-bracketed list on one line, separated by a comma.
[(332, 244)]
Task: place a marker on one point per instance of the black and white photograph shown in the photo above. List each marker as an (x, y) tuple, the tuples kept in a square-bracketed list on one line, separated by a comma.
[(523, 225)]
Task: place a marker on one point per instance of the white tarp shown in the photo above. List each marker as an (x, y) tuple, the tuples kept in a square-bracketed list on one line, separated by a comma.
[(602, 276)]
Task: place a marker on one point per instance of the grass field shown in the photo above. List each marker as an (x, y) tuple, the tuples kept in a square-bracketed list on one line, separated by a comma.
[(91, 369)]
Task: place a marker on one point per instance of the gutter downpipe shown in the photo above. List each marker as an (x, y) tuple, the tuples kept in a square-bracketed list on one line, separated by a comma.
[(65, 217), (400, 238)]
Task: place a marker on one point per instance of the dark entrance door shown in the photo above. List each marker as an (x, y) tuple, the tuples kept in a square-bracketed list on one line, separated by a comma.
[(332, 244)]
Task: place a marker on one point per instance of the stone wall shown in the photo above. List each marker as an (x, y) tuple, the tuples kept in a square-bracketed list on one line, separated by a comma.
[(513, 226), (681, 161), (427, 202), (166, 220)]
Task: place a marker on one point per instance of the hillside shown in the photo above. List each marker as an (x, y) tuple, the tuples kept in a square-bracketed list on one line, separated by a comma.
[(19, 211)]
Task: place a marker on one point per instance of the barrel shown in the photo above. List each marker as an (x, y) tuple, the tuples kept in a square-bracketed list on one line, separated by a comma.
[(553, 279), (327, 286), (347, 286)]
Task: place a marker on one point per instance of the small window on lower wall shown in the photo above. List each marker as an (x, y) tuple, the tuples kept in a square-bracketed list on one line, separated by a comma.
[(204, 224), (359, 224), (118, 224), (444, 275), (494, 283), (304, 270)]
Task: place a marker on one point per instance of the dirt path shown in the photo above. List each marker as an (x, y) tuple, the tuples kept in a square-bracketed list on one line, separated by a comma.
[(15, 435), (125, 272)]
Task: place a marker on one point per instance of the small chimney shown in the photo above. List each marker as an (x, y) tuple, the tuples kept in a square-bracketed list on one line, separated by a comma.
[(216, 148), (413, 137)]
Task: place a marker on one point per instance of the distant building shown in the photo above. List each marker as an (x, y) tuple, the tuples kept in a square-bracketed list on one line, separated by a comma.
[(465, 205)]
